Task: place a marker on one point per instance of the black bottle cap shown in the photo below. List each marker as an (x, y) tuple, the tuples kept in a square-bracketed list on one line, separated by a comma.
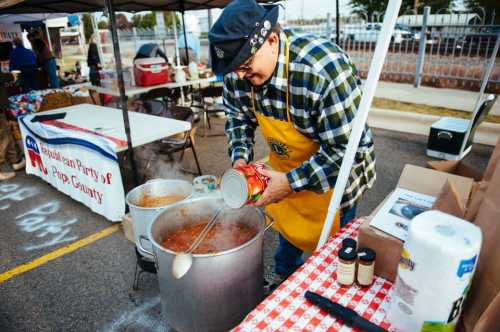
[(349, 242), (366, 255), (347, 253)]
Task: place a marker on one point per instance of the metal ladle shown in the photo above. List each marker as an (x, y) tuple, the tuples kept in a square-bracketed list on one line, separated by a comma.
[(182, 261)]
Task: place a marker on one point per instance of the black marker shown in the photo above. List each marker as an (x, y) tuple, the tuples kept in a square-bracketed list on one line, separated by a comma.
[(348, 316)]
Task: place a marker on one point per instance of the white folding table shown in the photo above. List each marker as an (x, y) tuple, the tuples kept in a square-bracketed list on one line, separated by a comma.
[(137, 90), (75, 154), (144, 128)]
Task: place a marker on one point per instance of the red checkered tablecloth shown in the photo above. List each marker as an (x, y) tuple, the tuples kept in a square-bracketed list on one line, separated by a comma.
[(286, 309)]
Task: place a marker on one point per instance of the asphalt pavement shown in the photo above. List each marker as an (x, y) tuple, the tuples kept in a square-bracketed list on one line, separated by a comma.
[(90, 289)]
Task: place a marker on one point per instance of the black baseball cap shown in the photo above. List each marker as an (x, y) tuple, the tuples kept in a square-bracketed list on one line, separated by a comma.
[(240, 31)]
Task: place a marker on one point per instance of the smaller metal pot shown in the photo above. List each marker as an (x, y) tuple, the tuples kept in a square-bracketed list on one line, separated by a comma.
[(142, 216)]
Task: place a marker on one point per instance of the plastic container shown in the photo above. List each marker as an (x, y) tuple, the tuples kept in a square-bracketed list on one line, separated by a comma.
[(193, 71)]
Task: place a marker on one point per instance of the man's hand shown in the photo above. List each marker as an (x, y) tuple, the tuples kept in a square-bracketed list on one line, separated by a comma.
[(239, 163), (277, 188)]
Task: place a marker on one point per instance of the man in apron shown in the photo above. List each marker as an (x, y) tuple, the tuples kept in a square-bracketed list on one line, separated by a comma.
[(303, 93)]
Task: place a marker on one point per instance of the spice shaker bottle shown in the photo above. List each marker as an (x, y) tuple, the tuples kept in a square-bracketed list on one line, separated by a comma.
[(366, 266), (346, 268)]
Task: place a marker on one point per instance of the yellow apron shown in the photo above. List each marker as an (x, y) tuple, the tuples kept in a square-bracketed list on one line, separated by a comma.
[(300, 216)]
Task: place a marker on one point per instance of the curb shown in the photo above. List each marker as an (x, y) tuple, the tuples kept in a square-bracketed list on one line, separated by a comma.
[(413, 123), (457, 99)]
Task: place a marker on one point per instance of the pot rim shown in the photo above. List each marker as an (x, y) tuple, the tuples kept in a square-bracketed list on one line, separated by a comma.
[(220, 253), (131, 192)]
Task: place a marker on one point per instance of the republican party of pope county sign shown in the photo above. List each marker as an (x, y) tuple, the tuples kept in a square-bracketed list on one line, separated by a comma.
[(81, 165)]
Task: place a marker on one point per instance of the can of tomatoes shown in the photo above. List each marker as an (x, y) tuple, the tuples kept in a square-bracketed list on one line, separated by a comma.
[(243, 185)]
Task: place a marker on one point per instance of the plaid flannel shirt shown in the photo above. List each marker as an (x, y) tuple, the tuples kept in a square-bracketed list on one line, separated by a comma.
[(324, 96)]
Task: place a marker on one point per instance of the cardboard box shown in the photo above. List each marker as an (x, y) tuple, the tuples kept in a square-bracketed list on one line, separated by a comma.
[(482, 306), (456, 167), (421, 180)]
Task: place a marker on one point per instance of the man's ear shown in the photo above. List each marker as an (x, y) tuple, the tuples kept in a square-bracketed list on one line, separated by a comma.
[(273, 38)]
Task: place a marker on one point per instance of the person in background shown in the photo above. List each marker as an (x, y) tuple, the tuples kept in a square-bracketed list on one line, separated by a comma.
[(10, 160), (47, 62), (93, 61), (24, 60)]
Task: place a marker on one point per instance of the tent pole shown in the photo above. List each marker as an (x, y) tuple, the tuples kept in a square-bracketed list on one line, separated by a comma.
[(177, 55), (121, 86), (337, 22), (184, 30)]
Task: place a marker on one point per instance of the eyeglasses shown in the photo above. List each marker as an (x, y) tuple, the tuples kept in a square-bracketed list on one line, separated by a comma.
[(247, 66)]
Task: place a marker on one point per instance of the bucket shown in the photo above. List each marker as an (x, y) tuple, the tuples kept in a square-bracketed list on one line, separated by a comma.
[(142, 216)]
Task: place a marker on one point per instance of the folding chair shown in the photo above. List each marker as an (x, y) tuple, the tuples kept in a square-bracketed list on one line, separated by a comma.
[(179, 143), (207, 108), (168, 96), (175, 144)]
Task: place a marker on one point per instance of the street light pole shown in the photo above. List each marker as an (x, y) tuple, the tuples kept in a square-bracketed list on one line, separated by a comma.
[(184, 30), (337, 22)]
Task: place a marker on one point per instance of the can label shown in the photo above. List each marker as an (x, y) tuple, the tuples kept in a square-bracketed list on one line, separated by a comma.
[(256, 182), (243, 185)]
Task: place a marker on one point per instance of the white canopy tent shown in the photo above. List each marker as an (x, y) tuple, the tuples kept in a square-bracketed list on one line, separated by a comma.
[(111, 7)]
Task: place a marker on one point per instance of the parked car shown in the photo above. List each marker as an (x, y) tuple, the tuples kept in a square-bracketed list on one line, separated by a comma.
[(482, 40), (301, 32), (369, 33)]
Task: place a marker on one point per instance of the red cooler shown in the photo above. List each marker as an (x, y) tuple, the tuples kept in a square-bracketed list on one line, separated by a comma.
[(150, 71)]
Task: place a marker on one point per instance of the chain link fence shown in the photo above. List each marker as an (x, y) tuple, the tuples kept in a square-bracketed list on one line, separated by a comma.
[(442, 49)]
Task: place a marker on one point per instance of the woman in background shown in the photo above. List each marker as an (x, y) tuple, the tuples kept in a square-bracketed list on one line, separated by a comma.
[(93, 61), (47, 62)]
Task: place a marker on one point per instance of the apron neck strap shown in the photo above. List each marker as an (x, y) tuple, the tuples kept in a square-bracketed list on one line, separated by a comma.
[(287, 97)]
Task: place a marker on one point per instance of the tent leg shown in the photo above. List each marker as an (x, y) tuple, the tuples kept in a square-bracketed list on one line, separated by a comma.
[(185, 37), (121, 87)]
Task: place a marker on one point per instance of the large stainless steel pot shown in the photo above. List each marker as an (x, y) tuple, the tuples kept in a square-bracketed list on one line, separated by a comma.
[(220, 289), (141, 216)]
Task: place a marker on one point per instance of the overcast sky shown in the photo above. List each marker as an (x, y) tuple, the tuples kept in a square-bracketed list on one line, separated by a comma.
[(305, 8), (314, 8)]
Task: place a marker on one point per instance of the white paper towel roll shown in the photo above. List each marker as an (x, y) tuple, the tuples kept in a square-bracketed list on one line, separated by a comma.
[(434, 273)]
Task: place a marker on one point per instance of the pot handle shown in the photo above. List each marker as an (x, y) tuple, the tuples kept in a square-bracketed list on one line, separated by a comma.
[(142, 237)]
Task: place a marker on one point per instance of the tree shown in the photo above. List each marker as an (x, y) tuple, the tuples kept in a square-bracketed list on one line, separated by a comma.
[(88, 29), (102, 24), (167, 17), (491, 9), (136, 20), (148, 21), (370, 7)]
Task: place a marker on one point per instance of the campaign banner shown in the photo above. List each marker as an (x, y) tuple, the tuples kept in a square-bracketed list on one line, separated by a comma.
[(78, 163)]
